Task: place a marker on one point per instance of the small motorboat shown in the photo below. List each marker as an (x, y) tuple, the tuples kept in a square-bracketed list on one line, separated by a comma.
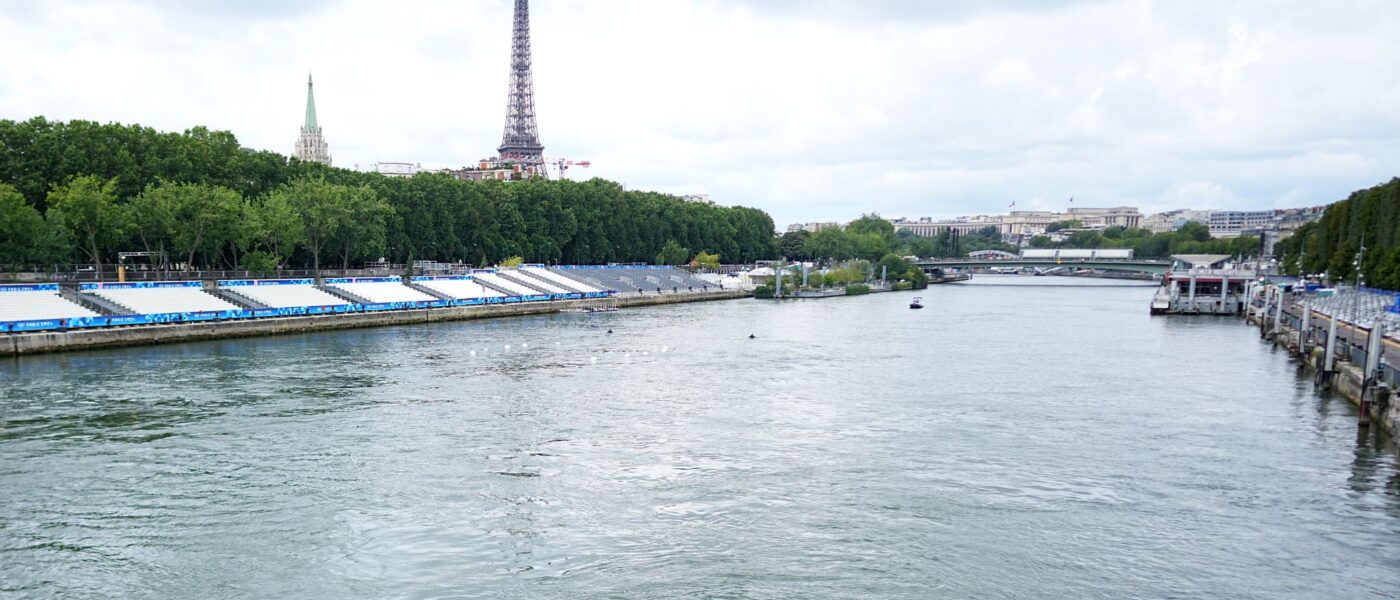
[(917, 303)]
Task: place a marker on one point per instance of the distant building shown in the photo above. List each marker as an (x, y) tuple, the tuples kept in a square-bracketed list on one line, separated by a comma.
[(1021, 224), (813, 227), (1119, 216), (1173, 220), (311, 145), (488, 168), (700, 198), (1025, 223), (397, 169), (1233, 223), (928, 227)]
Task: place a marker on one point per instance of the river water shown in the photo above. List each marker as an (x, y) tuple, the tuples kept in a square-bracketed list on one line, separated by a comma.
[(1019, 438)]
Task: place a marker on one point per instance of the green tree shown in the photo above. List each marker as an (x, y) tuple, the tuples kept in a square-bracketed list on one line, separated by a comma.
[(323, 209), (793, 245), (280, 227), (672, 254), (1193, 231), (26, 238), (87, 207), (892, 266), (830, 244), (873, 224), (920, 246), (196, 218), (705, 260), (361, 233)]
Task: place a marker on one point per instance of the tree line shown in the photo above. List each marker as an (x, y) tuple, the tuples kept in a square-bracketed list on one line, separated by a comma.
[(871, 237), (1191, 238), (84, 191), (1331, 244)]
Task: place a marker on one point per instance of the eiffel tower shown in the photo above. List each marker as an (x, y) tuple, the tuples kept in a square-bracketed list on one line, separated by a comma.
[(521, 142)]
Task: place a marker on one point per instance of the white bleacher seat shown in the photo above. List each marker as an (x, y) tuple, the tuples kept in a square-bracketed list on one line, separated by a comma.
[(151, 301), (560, 280), (384, 291), (461, 289), (548, 287), (287, 296), (502, 283), (37, 305)]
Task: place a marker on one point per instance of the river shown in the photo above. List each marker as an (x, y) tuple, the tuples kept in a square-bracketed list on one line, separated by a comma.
[(1019, 438)]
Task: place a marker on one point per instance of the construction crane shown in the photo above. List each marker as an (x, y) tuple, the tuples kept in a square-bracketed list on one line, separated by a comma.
[(563, 164)]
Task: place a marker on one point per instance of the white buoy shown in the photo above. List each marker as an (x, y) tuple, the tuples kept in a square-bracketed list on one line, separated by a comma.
[(663, 349), (556, 343), (627, 355), (473, 353), (646, 353), (593, 359), (507, 347), (524, 344)]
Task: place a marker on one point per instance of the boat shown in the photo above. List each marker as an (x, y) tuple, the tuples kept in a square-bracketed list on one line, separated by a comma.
[(590, 309), (917, 303)]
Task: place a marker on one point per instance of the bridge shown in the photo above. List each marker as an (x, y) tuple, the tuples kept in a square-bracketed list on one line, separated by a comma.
[(1130, 265)]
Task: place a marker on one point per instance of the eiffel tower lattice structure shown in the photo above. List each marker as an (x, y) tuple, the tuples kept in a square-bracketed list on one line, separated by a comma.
[(521, 141)]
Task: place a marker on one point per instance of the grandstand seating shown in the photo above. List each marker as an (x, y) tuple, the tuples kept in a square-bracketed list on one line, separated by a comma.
[(460, 288), (560, 280), (38, 304), (629, 278), (284, 294), (504, 284), (170, 298), (539, 284), (380, 290)]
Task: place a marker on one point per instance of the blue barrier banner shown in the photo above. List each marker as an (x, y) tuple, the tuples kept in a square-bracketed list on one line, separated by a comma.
[(507, 299), (535, 298), (469, 302), (250, 282), (29, 287), (35, 325), (390, 305), (191, 317), (441, 278), (140, 285), (611, 267), (82, 322), (340, 280)]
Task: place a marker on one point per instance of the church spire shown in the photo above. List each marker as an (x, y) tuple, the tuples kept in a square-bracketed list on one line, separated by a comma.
[(311, 146), (310, 104)]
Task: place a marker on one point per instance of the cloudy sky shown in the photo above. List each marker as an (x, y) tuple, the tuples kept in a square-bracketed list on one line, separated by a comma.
[(809, 109)]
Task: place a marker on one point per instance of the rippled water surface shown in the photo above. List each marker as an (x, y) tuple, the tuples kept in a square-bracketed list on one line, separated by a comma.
[(1009, 441)]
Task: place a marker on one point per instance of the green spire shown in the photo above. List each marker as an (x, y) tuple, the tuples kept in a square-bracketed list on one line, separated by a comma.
[(310, 105)]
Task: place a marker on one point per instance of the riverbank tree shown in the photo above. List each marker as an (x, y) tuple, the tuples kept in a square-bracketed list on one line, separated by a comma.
[(1330, 245), (98, 172)]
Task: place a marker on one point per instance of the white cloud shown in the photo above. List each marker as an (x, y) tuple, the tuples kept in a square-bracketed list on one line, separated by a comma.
[(810, 110)]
